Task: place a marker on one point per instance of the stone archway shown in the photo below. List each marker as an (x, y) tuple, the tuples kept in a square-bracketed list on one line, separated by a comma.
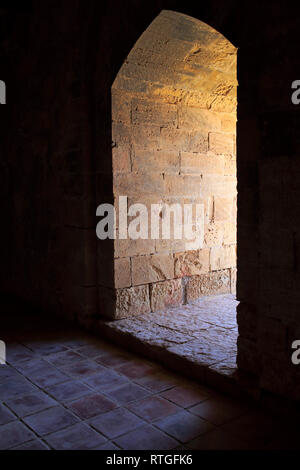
[(174, 130)]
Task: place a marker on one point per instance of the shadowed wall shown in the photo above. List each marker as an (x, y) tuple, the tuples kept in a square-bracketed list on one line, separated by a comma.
[(60, 61)]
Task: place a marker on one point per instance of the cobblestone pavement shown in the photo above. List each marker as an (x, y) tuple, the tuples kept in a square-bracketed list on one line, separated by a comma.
[(65, 389), (203, 332)]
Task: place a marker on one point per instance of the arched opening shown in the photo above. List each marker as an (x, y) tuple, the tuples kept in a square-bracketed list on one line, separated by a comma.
[(174, 108)]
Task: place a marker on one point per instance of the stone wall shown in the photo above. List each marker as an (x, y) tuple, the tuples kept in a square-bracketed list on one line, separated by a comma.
[(48, 178), (174, 131), (60, 61), (268, 205)]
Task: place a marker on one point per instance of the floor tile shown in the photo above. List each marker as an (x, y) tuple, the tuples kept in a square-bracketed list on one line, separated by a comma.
[(32, 365), (77, 437), (14, 387), (31, 403), (106, 380), (184, 426), (83, 369), (77, 342), (153, 408), (68, 391), (91, 405), (115, 359), (129, 402), (92, 350), (14, 434), (17, 353), (32, 445), (7, 372), (6, 416), (64, 358), (107, 446), (158, 382), (146, 438), (116, 423), (135, 370), (127, 393), (51, 420), (184, 396), (45, 347), (46, 377)]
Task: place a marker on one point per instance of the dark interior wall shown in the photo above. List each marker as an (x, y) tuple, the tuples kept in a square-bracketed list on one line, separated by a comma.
[(268, 208), (47, 156), (56, 160)]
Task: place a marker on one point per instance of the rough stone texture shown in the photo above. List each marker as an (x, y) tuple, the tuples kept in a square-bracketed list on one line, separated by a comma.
[(56, 162), (202, 334), (166, 294), (220, 143), (191, 263), (222, 257), (132, 301), (147, 269), (214, 283), (122, 273), (172, 124), (233, 277)]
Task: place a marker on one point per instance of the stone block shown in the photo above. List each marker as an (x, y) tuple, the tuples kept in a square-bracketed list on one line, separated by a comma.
[(147, 269), (122, 273), (221, 61), (159, 114), (124, 248), (121, 159), (137, 184), (132, 301), (121, 107), (200, 119), (221, 144), (183, 185), (191, 263), (213, 283), (233, 277), (222, 257), (198, 163), (230, 167), (224, 104), (147, 136), (166, 294), (147, 160), (229, 123), (223, 208), (120, 133), (214, 234), (183, 140)]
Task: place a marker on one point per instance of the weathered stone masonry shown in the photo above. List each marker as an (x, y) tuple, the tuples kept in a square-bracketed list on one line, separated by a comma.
[(56, 162), (174, 121)]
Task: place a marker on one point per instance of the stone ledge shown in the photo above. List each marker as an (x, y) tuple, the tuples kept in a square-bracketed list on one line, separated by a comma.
[(197, 340)]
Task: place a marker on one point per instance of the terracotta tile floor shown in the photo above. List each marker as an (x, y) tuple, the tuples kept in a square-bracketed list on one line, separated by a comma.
[(64, 389)]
